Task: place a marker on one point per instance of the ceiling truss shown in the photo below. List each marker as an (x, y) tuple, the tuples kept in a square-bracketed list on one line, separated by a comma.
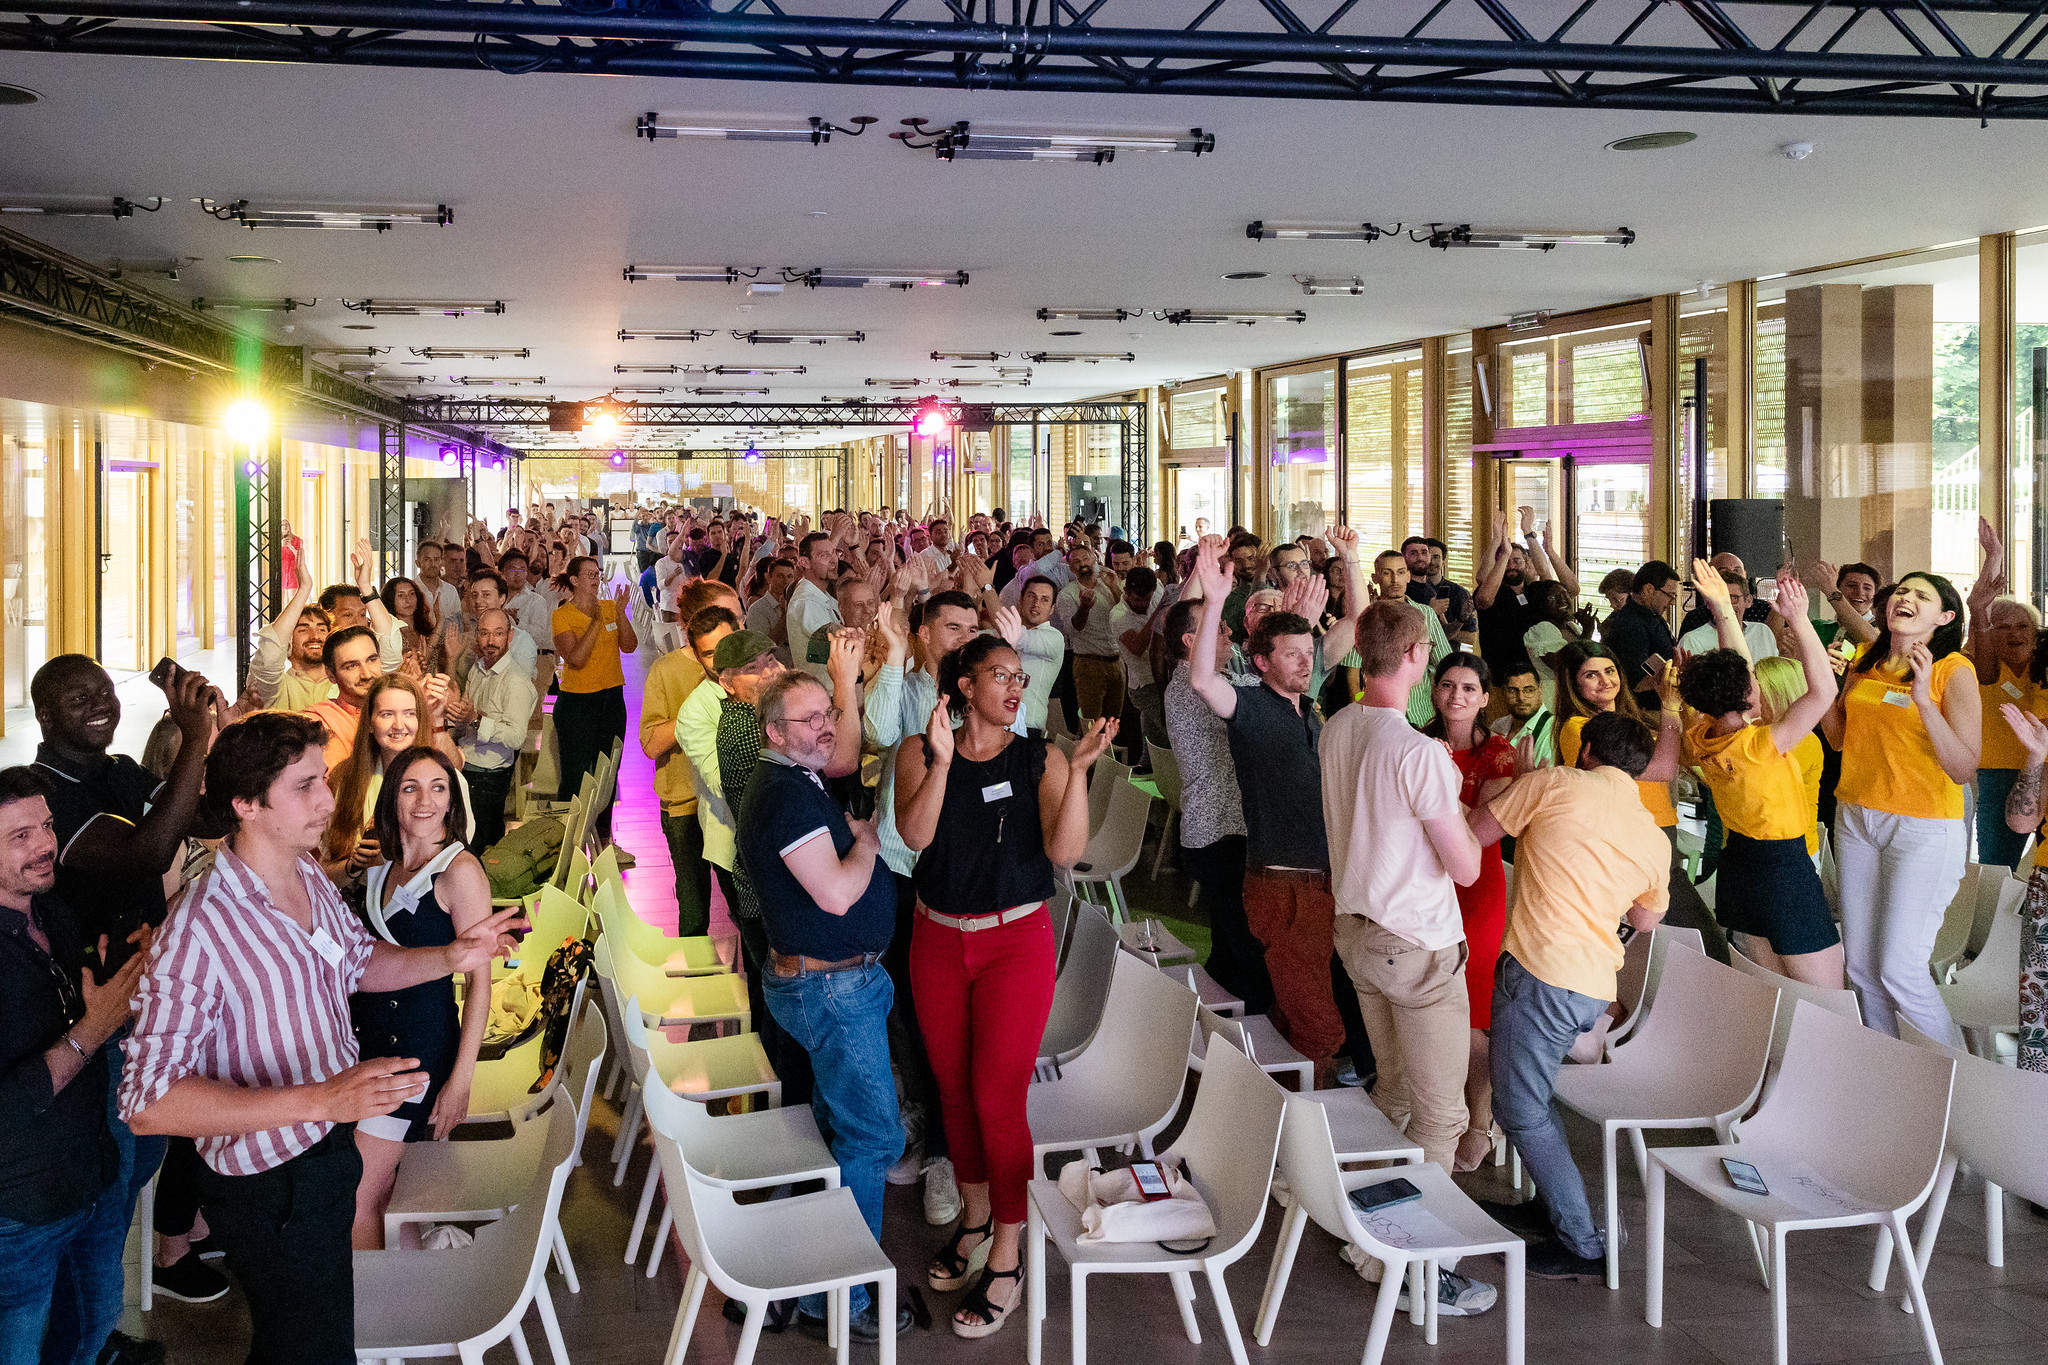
[(1978, 59)]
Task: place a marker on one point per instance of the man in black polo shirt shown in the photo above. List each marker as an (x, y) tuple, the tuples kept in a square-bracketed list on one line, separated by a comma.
[(829, 905), (63, 1206), (1273, 730), (120, 828), (1639, 629)]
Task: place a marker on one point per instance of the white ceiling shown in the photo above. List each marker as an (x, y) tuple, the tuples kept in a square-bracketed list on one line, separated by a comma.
[(553, 195)]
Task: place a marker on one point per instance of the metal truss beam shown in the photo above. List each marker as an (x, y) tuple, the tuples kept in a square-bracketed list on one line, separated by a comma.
[(390, 526), (1978, 59), (533, 412)]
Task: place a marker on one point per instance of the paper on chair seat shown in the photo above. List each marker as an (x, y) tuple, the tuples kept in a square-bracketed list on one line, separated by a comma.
[(1112, 1210), (1409, 1227), (1805, 1189)]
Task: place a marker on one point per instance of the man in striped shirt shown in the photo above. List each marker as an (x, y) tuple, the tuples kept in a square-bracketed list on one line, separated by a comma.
[(243, 1040)]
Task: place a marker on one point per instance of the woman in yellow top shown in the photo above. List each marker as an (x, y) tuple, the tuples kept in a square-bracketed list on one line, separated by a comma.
[(1779, 683), (1770, 897), (2003, 644), (590, 706), (1909, 721), (1589, 683)]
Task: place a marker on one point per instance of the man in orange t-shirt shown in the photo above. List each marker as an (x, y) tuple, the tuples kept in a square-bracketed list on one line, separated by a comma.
[(353, 662)]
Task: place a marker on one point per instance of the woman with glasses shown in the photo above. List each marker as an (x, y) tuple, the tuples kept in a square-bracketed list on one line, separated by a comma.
[(990, 812)]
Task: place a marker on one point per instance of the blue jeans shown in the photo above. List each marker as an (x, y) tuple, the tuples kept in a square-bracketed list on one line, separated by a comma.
[(140, 1156), (842, 1020), (1534, 1026), (65, 1277)]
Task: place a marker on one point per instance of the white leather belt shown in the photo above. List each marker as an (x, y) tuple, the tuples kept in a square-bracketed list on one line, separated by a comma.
[(968, 924)]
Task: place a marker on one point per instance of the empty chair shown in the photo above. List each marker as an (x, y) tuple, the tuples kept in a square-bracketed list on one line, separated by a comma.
[(1952, 940), (1997, 891), (1166, 780), (673, 1000), (1662, 940), (471, 1182), (1114, 849), (740, 1151), (692, 955), (1125, 1085), (1081, 992), (757, 1253), (1998, 1127), (462, 1300), (1061, 908), (1984, 998), (1852, 1136), (1151, 940), (1697, 1062), (1240, 1033), (1229, 1144), (1210, 990), (1442, 1225), (1842, 1002)]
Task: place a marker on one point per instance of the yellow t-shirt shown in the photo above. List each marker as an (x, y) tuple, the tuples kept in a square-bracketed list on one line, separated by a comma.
[(1656, 795), (1759, 792), (1584, 853), (1888, 761), (2002, 748), (602, 669)]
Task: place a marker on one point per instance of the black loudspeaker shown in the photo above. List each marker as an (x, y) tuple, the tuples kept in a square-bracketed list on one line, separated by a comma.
[(1751, 529), (977, 417)]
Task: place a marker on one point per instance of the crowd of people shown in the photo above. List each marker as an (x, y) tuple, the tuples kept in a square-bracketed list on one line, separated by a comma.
[(233, 963)]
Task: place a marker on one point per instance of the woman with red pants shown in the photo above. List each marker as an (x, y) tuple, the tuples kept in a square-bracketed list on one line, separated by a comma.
[(990, 812), (1487, 763)]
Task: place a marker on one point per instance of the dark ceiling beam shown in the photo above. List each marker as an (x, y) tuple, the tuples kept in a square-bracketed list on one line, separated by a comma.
[(534, 412)]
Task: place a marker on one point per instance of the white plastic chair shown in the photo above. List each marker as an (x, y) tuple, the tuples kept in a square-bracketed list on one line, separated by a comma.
[(1662, 940), (1165, 776), (1211, 991), (1125, 1086), (691, 955), (1697, 1062), (1984, 998), (1852, 1137), (463, 1300), (1998, 1127), (779, 1249), (1166, 949), (673, 1000), (1842, 1002), (1081, 992), (1114, 849), (1229, 1145), (474, 1182), (743, 1151), (1952, 940), (1998, 891), (1321, 1191)]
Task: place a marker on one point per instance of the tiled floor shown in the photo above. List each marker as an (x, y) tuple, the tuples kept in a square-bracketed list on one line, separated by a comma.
[(1716, 1311)]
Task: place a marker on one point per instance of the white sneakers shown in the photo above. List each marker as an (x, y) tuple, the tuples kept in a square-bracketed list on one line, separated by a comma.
[(1457, 1296), (941, 1193)]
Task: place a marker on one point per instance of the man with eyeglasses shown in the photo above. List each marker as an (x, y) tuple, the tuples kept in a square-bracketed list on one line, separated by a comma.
[(830, 909), (1641, 628)]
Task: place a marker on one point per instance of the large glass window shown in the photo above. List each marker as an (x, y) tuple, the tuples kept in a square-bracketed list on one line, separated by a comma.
[(1568, 378), (24, 464), (2028, 569), (1867, 403), (1301, 441), (1197, 464), (1385, 469), (1023, 476), (1461, 512)]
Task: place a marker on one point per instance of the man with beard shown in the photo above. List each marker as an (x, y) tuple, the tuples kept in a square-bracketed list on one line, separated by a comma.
[(1529, 725), (1503, 602), (491, 717), (286, 672)]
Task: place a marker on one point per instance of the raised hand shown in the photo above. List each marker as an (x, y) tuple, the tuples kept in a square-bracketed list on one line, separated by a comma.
[(1093, 744), (938, 733), (620, 597), (1666, 684), (1344, 539), (1306, 597), (1708, 583), (1009, 624), (2028, 728), (1792, 596), (1212, 570), (1528, 519), (849, 647), (1987, 537), (1987, 589), (1823, 575), (1501, 543), (895, 629)]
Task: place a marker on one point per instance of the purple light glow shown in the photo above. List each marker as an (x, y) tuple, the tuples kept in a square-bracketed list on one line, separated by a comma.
[(250, 469)]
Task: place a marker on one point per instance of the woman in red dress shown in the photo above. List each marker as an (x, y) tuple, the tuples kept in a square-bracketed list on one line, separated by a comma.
[(1487, 762)]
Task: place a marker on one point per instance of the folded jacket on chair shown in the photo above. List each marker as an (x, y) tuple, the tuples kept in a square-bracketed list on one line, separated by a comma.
[(1112, 1210)]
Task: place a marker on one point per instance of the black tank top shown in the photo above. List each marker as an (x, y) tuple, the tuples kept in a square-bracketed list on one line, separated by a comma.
[(989, 852)]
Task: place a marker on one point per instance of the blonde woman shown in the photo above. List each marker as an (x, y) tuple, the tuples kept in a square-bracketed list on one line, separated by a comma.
[(397, 715)]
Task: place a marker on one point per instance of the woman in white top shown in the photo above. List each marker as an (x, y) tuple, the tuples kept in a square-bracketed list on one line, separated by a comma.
[(1551, 605)]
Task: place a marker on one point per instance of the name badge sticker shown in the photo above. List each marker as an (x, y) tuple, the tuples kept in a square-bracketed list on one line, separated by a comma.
[(324, 944), (995, 793), (2013, 690), (611, 625), (1898, 698)]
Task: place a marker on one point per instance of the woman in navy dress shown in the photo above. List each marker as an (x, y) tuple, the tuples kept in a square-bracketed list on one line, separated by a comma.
[(425, 897)]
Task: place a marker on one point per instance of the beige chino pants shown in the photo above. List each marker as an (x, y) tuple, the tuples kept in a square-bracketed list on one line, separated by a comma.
[(1420, 1023)]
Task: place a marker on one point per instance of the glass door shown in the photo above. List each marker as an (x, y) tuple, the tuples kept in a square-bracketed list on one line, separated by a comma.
[(1201, 502), (1301, 442), (123, 593)]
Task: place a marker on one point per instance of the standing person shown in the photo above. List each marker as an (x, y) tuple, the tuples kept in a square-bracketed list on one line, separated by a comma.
[(1553, 624), (1757, 637), (285, 672), (1083, 613), (488, 591), (1640, 631), (531, 610), (829, 911), (1130, 622), (1502, 602), (1485, 763), (243, 1038), (2023, 814), (1588, 857), (768, 613), (1909, 740), (1399, 850), (397, 714), (1529, 725), (724, 761), (1771, 900), (2005, 646), (410, 608), (1212, 828), (1041, 648), (429, 892), (1852, 591), (353, 661), (64, 1206), (443, 600), (982, 953), (676, 678), (590, 709), (491, 719), (1390, 584), (1589, 680), (812, 606), (1274, 730)]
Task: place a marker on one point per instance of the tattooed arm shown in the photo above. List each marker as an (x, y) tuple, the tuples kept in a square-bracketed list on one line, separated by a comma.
[(2023, 807)]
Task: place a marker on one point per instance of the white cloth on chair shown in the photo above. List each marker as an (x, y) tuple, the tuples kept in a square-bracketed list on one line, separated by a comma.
[(1112, 1210)]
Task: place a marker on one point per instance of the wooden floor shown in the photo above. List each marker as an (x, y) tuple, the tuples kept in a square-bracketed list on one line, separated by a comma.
[(1715, 1308)]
